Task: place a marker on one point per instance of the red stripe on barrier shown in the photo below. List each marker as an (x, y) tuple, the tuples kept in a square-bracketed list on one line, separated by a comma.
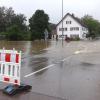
[(6, 79), (17, 58), (7, 57)]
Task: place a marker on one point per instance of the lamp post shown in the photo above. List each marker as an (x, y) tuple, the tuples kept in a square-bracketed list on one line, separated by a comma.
[(62, 24)]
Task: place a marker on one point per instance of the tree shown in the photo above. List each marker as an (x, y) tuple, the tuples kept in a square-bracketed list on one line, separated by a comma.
[(14, 33), (19, 20), (93, 26), (38, 23), (9, 21), (9, 14)]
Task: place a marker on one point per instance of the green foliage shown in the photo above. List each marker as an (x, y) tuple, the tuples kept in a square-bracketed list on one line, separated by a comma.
[(13, 25), (19, 20), (38, 23), (13, 33), (93, 26)]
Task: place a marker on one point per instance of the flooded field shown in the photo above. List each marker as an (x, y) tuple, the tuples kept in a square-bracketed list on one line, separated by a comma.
[(70, 72)]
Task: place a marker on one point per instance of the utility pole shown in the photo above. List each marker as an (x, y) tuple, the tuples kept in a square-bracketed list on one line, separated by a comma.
[(62, 24)]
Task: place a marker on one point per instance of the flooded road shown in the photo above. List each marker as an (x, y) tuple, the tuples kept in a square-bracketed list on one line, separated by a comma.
[(70, 72)]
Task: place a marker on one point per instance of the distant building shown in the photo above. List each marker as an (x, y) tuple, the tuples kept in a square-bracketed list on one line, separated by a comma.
[(72, 27), (53, 32)]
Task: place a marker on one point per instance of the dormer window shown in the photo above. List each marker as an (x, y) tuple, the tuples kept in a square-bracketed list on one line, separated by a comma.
[(68, 22)]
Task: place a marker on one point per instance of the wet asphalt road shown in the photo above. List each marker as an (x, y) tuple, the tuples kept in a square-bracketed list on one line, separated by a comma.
[(70, 72)]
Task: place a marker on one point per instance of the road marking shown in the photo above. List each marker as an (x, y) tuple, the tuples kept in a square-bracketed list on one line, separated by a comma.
[(39, 70), (48, 66), (81, 51), (67, 58), (77, 52), (64, 59)]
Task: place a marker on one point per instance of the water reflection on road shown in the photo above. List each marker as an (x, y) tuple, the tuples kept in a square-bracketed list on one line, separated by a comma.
[(29, 49), (71, 76)]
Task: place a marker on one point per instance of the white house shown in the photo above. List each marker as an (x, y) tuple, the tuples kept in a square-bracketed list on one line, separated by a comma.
[(72, 27)]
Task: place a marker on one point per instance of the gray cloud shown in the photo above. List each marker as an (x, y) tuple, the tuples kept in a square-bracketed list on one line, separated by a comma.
[(53, 7)]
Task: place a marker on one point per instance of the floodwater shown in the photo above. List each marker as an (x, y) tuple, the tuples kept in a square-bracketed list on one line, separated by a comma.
[(67, 74)]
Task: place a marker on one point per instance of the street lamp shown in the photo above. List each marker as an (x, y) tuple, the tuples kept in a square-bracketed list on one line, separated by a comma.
[(62, 24)]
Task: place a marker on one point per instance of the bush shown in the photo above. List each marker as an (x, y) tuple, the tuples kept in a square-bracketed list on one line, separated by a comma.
[(14, 33), (3, 35)]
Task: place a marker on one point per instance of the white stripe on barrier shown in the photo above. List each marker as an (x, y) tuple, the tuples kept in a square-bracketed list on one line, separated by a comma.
[(10, 66), (2, 56), (13, 58)]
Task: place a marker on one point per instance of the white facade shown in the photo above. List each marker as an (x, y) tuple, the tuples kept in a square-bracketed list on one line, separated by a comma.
[(71, 28)]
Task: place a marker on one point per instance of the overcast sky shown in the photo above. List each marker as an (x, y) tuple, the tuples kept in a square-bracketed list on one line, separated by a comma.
[(53, 7)]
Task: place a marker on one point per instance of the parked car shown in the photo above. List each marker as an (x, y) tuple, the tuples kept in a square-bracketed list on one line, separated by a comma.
[(14, 89)]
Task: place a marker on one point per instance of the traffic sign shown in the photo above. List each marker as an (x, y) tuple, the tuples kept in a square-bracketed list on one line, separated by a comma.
[(10, 64)]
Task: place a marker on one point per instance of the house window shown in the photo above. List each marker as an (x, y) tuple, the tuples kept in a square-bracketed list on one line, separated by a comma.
[(74, 29), (61, 29), (65, 29), (84, 29), (77, 28), (71, 29)]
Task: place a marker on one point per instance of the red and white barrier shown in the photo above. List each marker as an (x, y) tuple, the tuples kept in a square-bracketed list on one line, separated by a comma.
[(10, 63)]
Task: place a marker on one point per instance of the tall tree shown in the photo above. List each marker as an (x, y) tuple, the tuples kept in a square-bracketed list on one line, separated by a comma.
[(2, 19), (38, 23), (12, 22), (9, 14), (20, 21), (14, 33), (18, 29), (93, 26)]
